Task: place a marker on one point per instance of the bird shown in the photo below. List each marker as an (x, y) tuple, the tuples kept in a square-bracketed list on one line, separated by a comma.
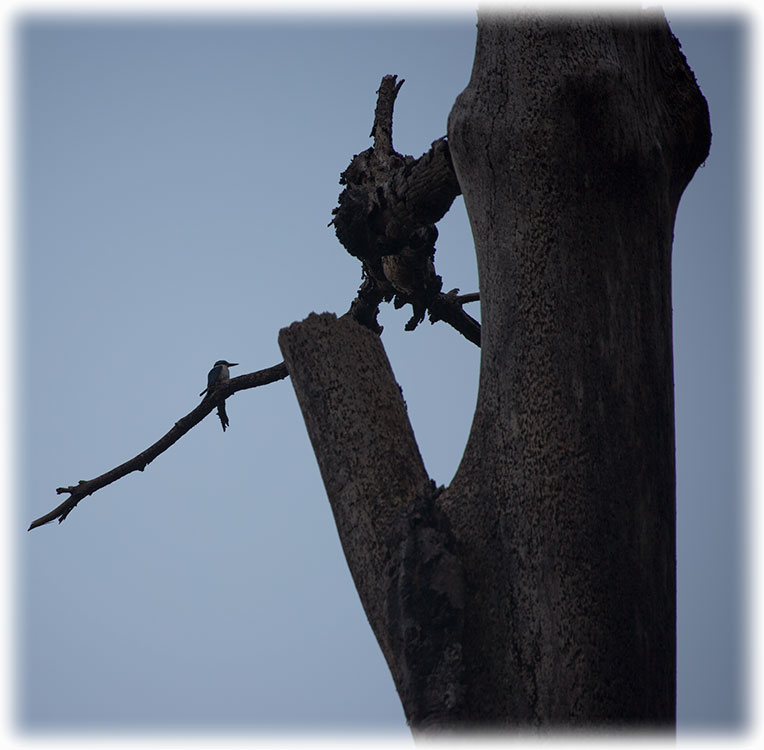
[(218, 375)]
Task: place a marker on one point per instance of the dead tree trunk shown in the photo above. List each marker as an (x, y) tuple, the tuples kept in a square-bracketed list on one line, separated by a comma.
[(539, 588), (572, 144)]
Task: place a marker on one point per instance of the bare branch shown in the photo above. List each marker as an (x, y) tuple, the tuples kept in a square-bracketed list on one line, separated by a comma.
[(404, 559), (463, 299), (382, 130), (84, 488), (449, 309)]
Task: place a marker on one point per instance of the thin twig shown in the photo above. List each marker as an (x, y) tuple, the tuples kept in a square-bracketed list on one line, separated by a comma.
[(181, 427), (463, 299)]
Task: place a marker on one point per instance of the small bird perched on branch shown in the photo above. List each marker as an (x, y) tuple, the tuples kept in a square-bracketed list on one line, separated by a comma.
[(218, 375)]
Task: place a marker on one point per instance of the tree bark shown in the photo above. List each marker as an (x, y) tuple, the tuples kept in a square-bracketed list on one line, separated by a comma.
[(398, 546), (539, 588), (573, 143)]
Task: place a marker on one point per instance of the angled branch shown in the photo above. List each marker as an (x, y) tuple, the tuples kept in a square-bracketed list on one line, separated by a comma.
[(448, 308), (400, 549), (84, 488), (463, 299)]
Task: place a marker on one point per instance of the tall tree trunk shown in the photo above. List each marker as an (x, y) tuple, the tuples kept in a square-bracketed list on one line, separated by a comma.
[(539, 588), (572, 144)]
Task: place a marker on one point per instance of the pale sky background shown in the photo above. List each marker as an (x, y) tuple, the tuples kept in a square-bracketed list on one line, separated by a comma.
[(174, 184)]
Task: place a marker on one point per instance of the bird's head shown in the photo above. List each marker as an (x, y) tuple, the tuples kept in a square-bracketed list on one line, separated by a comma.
[(227, 364)]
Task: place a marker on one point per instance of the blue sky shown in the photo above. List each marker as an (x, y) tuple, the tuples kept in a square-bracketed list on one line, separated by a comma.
[(175, 181)]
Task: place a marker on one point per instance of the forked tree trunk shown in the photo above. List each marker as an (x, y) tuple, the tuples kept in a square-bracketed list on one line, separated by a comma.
[(539, 588)]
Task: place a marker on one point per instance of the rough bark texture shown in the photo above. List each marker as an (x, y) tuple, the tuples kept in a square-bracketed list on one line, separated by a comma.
[(539, 588), (572, 144), (397, 544), (386, 218)]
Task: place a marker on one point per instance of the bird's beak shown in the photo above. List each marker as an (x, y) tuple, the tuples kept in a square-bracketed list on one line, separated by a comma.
[(233, 364)]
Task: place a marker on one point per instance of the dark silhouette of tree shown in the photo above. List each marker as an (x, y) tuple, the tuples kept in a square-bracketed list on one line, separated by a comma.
[(538, 589)]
